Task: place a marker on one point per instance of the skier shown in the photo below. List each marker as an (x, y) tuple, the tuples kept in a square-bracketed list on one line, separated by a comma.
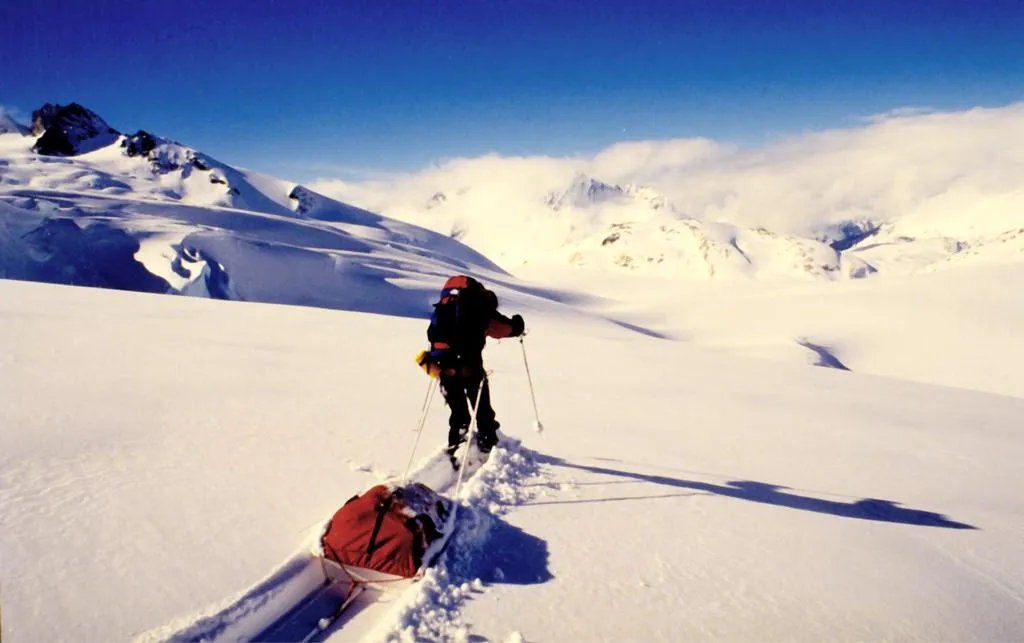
[(464, 317)]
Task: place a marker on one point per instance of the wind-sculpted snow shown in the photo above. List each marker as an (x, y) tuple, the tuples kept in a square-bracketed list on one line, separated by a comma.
[(223, 253)]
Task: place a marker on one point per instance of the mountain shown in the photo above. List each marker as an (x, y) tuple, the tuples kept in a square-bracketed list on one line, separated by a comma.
[(69, 130), (595, 225), (83, 204), (585, 191), (832, 208)]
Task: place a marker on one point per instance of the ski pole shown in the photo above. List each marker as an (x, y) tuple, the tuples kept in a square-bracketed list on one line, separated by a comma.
[(537, 426), (419, 430), (469, 435)]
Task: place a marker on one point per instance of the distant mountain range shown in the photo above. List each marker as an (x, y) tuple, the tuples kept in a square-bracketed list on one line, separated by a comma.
[(73, 166), (594, 224)]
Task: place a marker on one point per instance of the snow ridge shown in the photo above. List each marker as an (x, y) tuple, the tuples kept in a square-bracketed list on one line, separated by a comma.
[(8, 125), (431, 610)]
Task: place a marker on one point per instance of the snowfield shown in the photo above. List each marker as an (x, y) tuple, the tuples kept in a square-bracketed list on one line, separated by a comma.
[(819, 441), (161, 454)]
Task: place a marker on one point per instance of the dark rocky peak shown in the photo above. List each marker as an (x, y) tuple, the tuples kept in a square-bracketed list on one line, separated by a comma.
[(69, 130), (141, 143)]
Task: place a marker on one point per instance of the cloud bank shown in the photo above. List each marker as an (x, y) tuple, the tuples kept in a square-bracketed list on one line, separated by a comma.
[(902, 164)]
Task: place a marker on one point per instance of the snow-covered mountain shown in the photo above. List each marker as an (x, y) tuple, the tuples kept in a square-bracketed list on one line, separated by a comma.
[(585, 191), (592, 224), (146, 213), (81, 203), (900, 194)]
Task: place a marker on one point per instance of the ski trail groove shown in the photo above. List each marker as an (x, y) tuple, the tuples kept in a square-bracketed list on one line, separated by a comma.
[(431, 609)]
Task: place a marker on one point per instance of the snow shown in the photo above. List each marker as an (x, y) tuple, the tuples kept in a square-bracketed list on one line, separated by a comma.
[(162, 457), (677, 493)]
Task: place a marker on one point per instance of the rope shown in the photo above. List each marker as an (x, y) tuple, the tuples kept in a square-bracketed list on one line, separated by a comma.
[(419, 430)]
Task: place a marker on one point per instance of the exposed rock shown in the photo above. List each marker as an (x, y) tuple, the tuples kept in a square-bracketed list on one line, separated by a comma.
[(70, 130), (848, 234), (305, 201), (165, 155), (44, 117), (140, 143)]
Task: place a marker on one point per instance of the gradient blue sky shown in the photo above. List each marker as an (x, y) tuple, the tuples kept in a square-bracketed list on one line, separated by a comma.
[(303, 89)]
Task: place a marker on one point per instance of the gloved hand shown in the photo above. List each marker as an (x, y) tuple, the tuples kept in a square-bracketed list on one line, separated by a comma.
[(428, 363), (518, 325)]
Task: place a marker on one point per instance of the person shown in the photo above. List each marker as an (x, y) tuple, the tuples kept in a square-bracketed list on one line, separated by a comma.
[(464, 317)]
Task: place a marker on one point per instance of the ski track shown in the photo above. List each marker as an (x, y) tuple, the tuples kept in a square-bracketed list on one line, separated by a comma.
[(430, 608)]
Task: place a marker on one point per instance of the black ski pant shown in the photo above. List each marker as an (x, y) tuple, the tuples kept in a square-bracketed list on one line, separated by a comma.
[(460, 390)]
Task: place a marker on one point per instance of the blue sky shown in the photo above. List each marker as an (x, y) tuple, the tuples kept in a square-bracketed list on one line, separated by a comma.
[(304, 89)]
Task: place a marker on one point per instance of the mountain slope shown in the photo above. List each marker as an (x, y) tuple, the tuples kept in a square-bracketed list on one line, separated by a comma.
[(145, 213)]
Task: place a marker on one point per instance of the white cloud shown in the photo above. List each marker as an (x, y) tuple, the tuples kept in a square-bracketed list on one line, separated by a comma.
[(899, 112), (902, 164)]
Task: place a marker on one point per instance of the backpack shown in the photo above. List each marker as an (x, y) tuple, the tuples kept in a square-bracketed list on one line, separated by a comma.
[(389, 529), (461, 315)]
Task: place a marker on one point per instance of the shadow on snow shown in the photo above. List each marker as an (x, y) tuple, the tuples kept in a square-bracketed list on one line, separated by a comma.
[(753, 491), (497, 553)]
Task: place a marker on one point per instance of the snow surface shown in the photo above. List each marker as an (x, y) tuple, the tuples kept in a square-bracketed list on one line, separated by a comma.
[(160, 455)]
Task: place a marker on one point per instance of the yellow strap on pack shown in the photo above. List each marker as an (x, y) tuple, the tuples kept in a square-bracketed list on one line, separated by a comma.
[(428, 366)]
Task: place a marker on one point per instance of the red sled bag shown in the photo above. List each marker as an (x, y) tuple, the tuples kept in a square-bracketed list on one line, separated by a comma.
[(396, 530)]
